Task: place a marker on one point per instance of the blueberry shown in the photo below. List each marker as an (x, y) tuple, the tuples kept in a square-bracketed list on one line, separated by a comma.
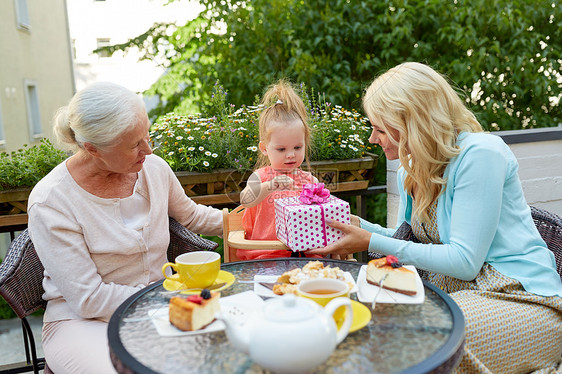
[(396, 265), (206, 294)]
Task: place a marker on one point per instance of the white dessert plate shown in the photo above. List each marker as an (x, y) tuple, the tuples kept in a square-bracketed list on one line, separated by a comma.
[(367, 291), (266, 292), (239, 306)]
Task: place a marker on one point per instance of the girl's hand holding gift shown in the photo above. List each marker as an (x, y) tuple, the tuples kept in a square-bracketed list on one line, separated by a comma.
[(281, 183)]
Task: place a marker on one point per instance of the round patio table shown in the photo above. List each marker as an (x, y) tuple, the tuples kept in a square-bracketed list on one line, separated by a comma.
[(400, 338)]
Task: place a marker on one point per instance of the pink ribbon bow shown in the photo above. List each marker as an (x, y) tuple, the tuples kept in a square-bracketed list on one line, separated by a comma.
[(314, 193)]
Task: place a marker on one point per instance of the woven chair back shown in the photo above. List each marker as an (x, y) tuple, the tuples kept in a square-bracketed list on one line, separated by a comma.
[(21, 277), (550, 228)]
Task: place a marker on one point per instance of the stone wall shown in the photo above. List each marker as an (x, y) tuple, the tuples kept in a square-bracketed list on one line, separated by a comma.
[(539, 152)]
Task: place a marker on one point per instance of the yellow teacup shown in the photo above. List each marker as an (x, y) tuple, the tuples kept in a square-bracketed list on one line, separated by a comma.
[(324, 290), (195, 269)]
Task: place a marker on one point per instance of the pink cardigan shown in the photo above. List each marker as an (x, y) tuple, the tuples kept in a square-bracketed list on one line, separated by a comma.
[(92, 261)]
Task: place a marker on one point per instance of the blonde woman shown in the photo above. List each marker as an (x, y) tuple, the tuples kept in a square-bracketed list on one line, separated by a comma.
[(460, 192)]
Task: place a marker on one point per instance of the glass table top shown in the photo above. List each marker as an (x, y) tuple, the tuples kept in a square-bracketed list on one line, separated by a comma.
[(399, 338)]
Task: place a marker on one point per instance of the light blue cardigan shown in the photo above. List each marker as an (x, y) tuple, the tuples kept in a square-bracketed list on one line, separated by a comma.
[(482, 217)]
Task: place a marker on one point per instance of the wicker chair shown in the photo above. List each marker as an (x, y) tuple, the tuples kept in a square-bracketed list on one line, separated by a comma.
[(550, 228), (21, 277), (548, 224)]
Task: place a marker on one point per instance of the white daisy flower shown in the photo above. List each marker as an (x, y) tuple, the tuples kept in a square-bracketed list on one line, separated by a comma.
[(205, 163)]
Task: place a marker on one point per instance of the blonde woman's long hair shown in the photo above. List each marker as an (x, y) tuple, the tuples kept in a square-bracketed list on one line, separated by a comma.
[(428, 114), (282, 105)]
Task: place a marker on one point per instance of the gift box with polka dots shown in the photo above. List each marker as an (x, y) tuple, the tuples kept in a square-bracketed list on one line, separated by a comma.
[(302, 227)]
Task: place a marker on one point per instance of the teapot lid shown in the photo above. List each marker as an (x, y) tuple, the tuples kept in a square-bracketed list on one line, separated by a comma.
[(289, 308)]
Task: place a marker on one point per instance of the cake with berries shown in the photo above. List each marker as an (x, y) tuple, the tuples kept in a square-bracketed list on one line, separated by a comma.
[(398, 278), (194, 312)]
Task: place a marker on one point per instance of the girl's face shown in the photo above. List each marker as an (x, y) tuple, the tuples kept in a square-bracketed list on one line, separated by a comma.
[(381, 137), (286, 147), (130, 151)]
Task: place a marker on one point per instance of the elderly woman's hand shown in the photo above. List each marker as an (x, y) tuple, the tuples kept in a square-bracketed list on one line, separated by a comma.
[(355, 239)]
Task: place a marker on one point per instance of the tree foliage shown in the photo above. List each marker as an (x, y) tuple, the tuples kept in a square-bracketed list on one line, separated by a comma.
[(505, 55)]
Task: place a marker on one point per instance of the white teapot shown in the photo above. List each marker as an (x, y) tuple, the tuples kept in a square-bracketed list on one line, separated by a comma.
[(290, 334)]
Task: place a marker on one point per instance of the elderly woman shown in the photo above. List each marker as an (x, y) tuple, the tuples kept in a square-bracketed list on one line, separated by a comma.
[(461, 194), (99, 223)]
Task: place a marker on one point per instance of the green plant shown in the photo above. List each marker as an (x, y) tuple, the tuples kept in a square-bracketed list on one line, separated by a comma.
[(228, 138), (505, 54), (26, 166)]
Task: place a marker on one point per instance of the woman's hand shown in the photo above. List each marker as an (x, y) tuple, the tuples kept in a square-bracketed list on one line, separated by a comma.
[(355, 239)]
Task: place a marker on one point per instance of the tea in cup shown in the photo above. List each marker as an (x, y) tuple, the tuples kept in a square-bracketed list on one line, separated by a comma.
[(324, 290), (195, 269)]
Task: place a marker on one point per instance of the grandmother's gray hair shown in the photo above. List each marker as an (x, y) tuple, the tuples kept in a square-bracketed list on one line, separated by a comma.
[(98, 115)]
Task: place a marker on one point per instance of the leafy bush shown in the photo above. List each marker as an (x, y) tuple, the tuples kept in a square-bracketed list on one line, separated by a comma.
[(25, 167), (229, 138), (506, 54)]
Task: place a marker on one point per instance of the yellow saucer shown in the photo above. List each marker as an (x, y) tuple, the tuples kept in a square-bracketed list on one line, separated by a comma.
[(174, 284), (361, 316)]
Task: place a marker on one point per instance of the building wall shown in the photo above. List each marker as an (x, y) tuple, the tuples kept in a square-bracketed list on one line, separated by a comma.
[(40, 54), (539, 153)]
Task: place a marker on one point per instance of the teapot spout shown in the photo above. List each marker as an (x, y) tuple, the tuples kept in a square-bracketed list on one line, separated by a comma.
[(237, 333)]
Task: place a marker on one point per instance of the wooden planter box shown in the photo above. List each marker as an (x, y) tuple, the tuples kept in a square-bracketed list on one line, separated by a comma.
[(222, 186), (13, 207)]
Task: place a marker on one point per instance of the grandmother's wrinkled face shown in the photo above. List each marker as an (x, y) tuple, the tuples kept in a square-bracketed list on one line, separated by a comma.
[(130, 151), (383, 137)]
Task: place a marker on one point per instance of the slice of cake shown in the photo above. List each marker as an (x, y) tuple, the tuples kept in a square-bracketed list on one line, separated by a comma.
[(194, 312), (399, 278)]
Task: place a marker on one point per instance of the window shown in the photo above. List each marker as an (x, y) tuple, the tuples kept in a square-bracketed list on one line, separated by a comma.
[(33, 113), (103, 42), (2, 137), (22, 15), (74, 48)]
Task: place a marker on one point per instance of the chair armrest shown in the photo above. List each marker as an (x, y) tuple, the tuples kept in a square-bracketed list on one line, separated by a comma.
[(183, 240), (236, 240)]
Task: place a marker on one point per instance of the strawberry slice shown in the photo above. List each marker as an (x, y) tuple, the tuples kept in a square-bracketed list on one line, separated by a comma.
[(197, 299), (390, 259)]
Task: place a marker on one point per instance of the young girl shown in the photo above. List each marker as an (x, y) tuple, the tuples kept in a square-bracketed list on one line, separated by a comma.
[(284, 138)]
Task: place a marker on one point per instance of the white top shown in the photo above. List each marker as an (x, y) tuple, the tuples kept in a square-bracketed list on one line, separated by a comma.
[(134, 210), (92, 260)]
